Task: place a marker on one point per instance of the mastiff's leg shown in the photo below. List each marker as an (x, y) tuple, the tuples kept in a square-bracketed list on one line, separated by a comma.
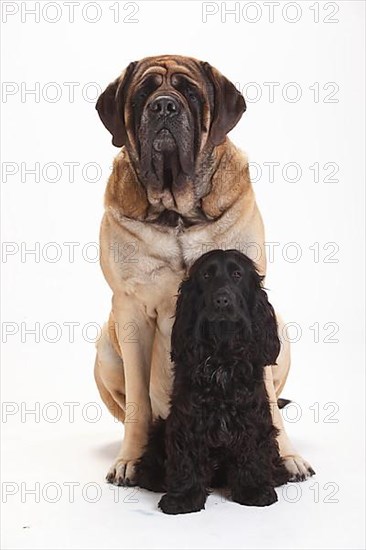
[(129, 383), (109, 376), (275, 378)]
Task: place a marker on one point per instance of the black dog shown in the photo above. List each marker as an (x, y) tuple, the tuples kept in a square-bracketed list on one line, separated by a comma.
[(219, 431)]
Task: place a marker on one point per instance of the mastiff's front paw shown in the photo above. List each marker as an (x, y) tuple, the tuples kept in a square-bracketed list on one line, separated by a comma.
[(122, 473), (298, 468)]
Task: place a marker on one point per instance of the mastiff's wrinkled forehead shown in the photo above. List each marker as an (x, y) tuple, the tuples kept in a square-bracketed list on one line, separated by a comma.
[(166, 110)]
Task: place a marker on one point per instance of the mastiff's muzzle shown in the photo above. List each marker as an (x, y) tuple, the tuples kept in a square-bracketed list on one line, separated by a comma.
[(170, 112)]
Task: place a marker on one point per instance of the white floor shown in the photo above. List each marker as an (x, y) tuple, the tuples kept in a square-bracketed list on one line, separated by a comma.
[(321, 290), (47, 457)]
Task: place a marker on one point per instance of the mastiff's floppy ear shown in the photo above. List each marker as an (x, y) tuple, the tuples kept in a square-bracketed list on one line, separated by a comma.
[(110, 106), (229, 104)]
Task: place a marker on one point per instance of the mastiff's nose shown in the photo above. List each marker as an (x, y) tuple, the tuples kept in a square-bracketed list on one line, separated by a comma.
[(165, 105)]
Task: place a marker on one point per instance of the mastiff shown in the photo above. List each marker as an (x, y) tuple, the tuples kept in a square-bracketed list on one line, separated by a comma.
[(178, 188)]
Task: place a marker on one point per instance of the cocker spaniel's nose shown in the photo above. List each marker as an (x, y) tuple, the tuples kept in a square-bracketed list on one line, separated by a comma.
[(222, 300)]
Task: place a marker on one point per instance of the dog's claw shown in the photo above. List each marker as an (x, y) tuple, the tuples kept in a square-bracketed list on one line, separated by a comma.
[(298, 468), (121, 473)]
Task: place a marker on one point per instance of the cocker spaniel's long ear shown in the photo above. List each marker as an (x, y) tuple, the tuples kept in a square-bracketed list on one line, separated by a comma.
[(264, 326), (185, 315), (110, 106)]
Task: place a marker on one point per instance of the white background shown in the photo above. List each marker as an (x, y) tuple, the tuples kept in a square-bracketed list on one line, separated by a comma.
[(37, 290)]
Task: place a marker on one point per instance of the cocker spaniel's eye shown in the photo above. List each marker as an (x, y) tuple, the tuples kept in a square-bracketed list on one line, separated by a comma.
[(206, 275), (236, 275)]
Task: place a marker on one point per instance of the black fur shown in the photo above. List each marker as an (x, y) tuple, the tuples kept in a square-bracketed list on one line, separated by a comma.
[(219, 431)]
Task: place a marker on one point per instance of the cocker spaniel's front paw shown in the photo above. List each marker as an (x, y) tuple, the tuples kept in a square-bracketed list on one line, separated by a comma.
[(298, 468), (182, 504), (254, 496)]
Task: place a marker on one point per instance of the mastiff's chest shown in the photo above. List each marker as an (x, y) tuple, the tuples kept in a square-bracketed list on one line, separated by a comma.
[(140, 257)]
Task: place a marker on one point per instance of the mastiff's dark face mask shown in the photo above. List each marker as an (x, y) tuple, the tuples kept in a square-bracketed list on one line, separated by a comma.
[(167, 110)]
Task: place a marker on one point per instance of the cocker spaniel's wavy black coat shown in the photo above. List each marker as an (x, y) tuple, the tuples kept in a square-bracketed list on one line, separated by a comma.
[(219, 431)]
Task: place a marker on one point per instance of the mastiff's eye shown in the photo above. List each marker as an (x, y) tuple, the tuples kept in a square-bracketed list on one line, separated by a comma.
[(186, 87), (139, 98), (236, 275)]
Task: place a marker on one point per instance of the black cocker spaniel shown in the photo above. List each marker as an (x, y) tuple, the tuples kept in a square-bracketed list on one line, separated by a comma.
[(219, 432)]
